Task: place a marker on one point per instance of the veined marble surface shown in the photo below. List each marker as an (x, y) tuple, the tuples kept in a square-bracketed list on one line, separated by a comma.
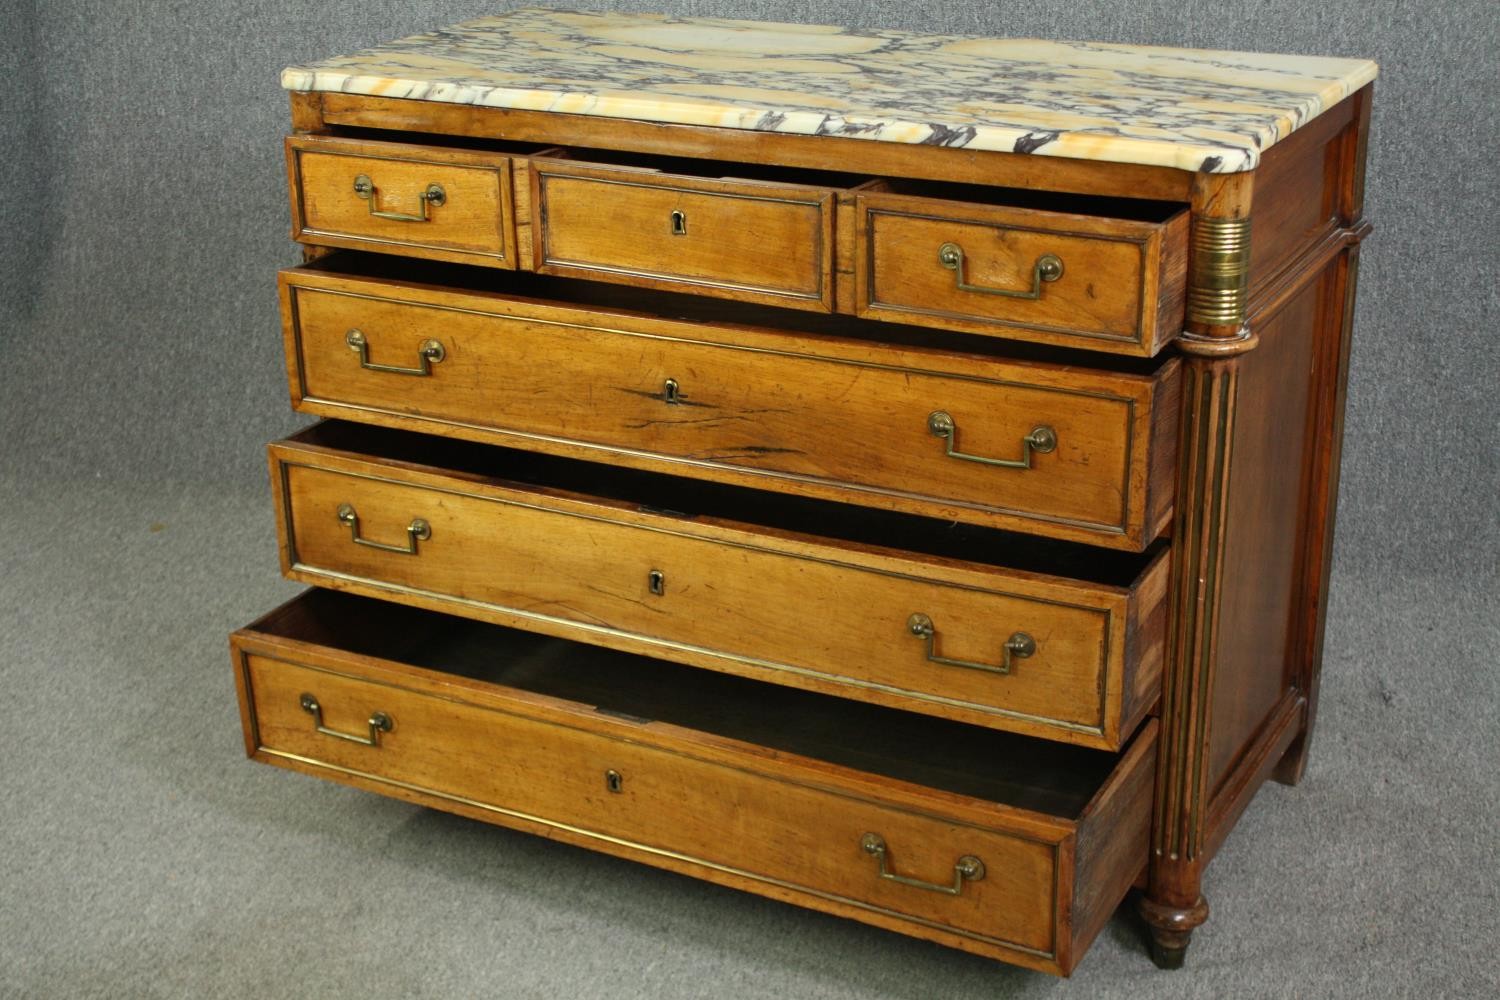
[(1192, 109)]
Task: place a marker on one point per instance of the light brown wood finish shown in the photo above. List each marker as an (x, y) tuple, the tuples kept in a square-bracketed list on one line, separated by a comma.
[(473, 224), (539, 763), (1116, 291), (1259, 459), (1325, 432), (755, 241), (823, 416), (938, 163), (1257, 471), (1174, 905), (821, 615)]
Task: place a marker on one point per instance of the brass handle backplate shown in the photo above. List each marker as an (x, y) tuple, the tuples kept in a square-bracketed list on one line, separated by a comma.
[(417, 530), (428, 354), (433, 195), (1041, 440), (1048, 267), (966, 869), (379, 723), (1018, 647)]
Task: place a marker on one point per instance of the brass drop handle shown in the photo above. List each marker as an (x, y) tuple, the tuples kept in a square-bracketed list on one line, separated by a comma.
[(379, 723), (966, 869), (1041, 440), (1018, 647), (433, 195), (429, 353), (1048, 267), (417, 530)]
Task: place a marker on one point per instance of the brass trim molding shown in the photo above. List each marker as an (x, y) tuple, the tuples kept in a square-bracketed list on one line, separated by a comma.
[(1218, 347), (1219, 272)]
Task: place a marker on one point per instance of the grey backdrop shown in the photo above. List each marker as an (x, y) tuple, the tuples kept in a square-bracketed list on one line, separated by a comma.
[(140, 374)]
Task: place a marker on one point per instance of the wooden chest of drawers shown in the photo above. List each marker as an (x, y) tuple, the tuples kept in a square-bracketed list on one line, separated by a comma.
[(917, 511)]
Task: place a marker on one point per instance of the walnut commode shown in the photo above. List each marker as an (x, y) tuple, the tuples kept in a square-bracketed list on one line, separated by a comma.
[(914, 512)]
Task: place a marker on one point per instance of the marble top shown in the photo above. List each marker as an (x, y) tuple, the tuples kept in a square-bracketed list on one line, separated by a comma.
[(1192, 109)]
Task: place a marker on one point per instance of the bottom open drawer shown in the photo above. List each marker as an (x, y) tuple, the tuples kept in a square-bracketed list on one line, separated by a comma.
[(1006, 846)]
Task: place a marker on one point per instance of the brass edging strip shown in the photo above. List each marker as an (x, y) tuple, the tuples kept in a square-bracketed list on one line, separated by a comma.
[(307, 570), (1140, 243), (664, 853)]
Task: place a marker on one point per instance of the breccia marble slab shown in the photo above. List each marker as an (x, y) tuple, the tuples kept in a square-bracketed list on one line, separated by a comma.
[(1192, 109)]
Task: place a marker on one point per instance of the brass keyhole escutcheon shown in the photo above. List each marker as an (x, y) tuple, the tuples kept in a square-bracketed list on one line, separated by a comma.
[(656, 580), (679, 223), (671, 392), (613, 781)]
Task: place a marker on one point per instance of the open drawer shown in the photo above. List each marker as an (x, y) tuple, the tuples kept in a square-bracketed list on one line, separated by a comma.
[(965, 624), (435, 201), (1104, 274), (999, 845), (743, 395), (729, 230)]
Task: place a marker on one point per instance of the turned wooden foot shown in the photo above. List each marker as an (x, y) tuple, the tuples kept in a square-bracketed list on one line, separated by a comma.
[(1170, 929)]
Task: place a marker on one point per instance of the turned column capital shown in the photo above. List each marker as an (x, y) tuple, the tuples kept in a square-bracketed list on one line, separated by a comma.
[(1202, 346)]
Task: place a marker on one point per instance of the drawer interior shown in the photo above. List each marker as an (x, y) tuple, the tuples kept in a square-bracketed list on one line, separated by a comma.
[(713, 502), (1017, 771), (1128, 209), (505, 146), (601, 296), (682, 166)]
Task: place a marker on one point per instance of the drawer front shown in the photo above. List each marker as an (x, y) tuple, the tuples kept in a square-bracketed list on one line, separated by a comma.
[(981, 647), (746, 240), (780, 829), (787, 827), (1060, 452), (1073, 280), (420, 201)]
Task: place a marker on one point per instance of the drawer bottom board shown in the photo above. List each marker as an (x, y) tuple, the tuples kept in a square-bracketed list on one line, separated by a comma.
[(996, 844)]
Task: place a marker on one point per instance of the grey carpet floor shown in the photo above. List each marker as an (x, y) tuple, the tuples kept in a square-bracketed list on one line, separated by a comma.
[(142, 856)]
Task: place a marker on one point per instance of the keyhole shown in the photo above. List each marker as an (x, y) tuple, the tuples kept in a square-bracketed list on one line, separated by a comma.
[(671, 392), (679, 223), (657, 581), (613, 781)]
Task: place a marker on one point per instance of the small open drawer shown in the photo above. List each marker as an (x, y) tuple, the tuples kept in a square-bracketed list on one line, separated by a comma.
[(1104, 274), (729, 230), (435, 201), (996, 844)]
